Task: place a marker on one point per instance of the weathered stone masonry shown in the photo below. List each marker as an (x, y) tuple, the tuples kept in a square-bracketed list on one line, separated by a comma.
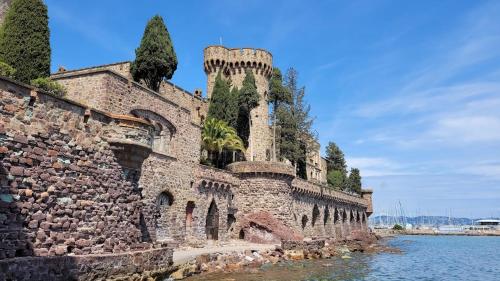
[(111, 175)]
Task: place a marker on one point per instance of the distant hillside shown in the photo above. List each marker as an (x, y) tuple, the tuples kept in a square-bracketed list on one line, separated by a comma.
[(428, 220)]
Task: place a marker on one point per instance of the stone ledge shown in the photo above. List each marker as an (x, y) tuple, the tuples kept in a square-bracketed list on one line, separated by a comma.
[(261, 167), (123, 266)]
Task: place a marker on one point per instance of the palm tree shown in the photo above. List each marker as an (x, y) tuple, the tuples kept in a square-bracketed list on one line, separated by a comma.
[(217, 136)]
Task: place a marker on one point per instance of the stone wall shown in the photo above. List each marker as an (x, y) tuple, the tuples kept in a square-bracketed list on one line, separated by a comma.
[(4, 7), (138, 265), (69, 177)]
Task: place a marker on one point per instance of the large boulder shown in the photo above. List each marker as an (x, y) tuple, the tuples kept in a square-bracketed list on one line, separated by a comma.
[(263, 227)]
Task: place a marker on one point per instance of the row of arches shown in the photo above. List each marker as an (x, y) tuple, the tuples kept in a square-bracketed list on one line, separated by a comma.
[(340, 216), (166, 212)]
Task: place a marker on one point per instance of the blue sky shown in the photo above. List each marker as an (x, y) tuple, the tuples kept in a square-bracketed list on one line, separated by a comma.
[(410, 90)]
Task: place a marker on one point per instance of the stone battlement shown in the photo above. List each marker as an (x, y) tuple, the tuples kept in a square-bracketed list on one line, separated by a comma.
[(236, 59)]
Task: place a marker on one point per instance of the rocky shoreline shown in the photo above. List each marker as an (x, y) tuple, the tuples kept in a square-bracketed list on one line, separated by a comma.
[(288, 251)]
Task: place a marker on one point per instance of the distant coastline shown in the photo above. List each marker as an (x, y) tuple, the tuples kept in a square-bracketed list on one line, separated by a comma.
[(391, 232)]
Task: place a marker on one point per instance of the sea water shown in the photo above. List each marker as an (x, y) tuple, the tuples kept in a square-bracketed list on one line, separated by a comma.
[(423, 258)]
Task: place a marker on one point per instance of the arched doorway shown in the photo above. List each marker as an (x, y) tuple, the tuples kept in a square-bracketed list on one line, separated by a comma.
[(163, 202), (315, 214), (326, 216), (212, 225)]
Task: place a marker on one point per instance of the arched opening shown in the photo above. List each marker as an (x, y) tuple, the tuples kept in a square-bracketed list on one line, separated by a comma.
[(231, 219), (315, 214), (357, 217), (212, 222), (163, 203), (344, 216), (351, 216), (304, 221), (164, 200), (363, 217), (163, 130), (189, 214), (326, 217), (335, 216), (241, 235)]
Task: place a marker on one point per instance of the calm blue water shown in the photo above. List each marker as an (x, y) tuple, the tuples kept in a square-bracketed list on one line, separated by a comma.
[(424, 258)]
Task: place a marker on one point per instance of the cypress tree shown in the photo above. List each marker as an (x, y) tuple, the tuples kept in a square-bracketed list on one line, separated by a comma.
[(219, 99), (248, 99), (24, 39), (155, 59), (232, 108)]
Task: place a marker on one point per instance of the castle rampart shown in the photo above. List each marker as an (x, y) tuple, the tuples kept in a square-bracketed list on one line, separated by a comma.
[(111, 172)]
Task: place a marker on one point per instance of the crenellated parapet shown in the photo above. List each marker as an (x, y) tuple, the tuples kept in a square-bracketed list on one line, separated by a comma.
[(236, 60)]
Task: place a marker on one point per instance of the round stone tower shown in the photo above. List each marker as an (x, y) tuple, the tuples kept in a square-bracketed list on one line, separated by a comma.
[(233, 63)]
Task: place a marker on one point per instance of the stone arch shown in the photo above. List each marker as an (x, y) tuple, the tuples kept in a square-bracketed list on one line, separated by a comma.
[(164, 130), (304, 221), (164, 201), (189, 214), (336, 216), (212, 222), (326, 215), (315, 214)]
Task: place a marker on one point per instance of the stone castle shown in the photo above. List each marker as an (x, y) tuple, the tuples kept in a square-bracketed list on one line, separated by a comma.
[(110, 174)]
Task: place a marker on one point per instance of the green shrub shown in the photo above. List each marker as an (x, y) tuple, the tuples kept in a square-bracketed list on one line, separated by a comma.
[(397, 227), (7, 70), (50, 86)]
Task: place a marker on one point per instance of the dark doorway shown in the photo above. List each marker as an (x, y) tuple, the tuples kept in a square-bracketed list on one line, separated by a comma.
[(304, 221), (189, 214), (212, 225), (315, 214), (327, 216)]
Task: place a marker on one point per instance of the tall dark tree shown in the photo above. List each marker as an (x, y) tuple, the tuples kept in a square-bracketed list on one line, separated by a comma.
[(296, 136), (219, 99), (24, 39), (155, 59), (354, 181), (335, 159), (278, 94), (248, 99), (233, 108)]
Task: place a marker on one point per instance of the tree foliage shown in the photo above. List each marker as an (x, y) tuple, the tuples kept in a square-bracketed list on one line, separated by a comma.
[(335, 179), (219, 99), (278, 94), (50, 86), (248, 99), (24, 40), (295, 122), (335, 159), (354, 181), (7, 70), (155, 58), (218, 136)]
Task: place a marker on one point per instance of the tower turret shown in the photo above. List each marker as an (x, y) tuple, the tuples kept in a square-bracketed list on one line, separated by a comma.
[(233, 63)]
